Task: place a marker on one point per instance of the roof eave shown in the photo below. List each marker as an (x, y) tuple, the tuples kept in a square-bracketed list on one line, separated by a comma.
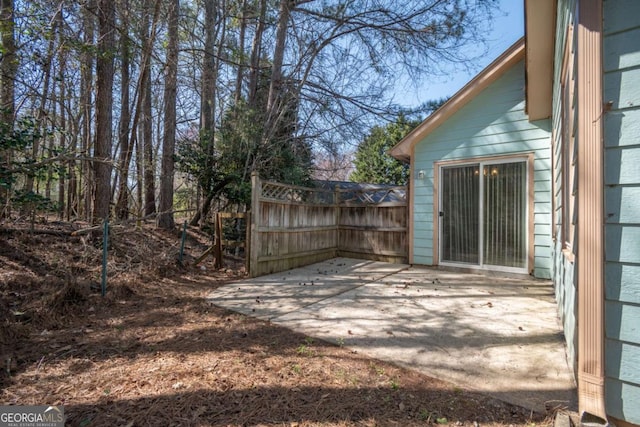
[(540, 21)]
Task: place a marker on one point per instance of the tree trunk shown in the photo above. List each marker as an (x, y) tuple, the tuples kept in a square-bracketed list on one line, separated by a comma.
[(72, 182), (165, 215), (256, 53), (8, 71), (207, 100), (86, 106), (104, 106), (241, 57), (207, 202), (130, 137), (139, 174), (48, 143), (126, 148), (208, 96), (46, 82), (71, 127), (275, 87), (8, 62), (210, 67), (147, 148), (148, 164), (62, 60)]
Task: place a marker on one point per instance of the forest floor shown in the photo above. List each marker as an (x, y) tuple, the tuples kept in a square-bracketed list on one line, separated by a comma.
[(154, 352)]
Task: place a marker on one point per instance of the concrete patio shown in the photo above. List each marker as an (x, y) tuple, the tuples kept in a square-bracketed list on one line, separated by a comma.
[(500, 336)]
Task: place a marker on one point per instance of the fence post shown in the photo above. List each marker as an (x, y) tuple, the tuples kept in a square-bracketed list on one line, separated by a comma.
[(217, 251), (336, 207), (184, 237), (247, 240), (256, 193)]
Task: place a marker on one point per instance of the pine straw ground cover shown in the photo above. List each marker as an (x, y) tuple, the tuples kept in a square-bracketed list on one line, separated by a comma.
[(153, 352)]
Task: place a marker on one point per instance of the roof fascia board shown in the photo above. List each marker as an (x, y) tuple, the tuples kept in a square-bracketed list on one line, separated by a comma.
[(540, 29)]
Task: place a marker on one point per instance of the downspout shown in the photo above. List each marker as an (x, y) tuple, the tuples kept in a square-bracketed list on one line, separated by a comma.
[(590, 207)]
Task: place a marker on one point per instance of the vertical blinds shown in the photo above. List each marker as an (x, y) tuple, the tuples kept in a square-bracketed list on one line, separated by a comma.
[(505, 211), (488, 229), (460, 214)]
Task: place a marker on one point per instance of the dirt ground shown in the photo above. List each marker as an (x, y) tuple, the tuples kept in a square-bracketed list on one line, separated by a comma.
[(153, 352)]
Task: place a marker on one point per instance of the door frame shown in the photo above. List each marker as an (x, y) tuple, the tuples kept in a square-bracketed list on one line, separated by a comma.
[(528, 157)]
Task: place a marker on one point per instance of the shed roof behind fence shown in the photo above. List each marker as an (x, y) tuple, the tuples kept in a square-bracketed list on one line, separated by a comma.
[(362, 193)]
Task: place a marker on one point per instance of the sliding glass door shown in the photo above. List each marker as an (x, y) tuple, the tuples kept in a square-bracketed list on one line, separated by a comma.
[(505, 214), (483, 214), (460, 215)]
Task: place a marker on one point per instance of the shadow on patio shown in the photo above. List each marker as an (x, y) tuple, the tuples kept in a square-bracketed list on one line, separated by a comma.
[(499, 336)]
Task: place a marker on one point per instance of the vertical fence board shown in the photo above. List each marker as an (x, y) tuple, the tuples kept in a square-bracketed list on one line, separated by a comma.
[(295, 226)]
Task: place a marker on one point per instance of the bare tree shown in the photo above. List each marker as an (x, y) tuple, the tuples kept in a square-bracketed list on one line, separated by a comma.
[(256, 54), (146, 112), (165, 215), (8, 61), (340, 58), (126, 146), (214, 29), (241, 57), (263, 81), (129, 137), (278, 53), (44, 96), (8, 70), (87, 61), (62, 126), (102, 163)]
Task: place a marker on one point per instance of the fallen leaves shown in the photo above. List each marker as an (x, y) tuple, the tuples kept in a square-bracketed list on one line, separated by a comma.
[(162, 355)]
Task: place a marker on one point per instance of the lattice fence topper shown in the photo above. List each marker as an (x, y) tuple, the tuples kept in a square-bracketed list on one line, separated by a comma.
[(372, 195), (283, 192)]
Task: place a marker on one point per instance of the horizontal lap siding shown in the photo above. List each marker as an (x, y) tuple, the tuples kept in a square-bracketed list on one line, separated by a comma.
[(563, 267), (492, 124), (621, 57)]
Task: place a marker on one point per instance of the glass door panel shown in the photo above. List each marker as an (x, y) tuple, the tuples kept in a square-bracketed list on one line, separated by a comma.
[(459, 214), (505, 214)]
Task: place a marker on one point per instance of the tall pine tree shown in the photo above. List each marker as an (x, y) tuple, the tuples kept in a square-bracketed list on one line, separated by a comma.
[(373, 164)]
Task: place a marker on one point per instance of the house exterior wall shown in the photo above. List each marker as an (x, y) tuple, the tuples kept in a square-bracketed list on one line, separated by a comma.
[(493, 123), (621, 187), (563, 261), (621, 64)]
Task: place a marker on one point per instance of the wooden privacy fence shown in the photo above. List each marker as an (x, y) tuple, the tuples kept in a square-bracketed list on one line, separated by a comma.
[(294, 226)]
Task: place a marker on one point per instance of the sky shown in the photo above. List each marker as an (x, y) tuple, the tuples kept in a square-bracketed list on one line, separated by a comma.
[(508, 27)]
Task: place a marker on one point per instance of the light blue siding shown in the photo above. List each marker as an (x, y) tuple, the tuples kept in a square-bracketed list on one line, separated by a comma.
[(566, 297), (622, 243), (621, 54), (563, 266), (621, 50), (621, 88), (622, 127), (492, 124), (622, 322), (622, 204), (620, 16), (622, 399), (622, 164), (629, 355), (617, 273)]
